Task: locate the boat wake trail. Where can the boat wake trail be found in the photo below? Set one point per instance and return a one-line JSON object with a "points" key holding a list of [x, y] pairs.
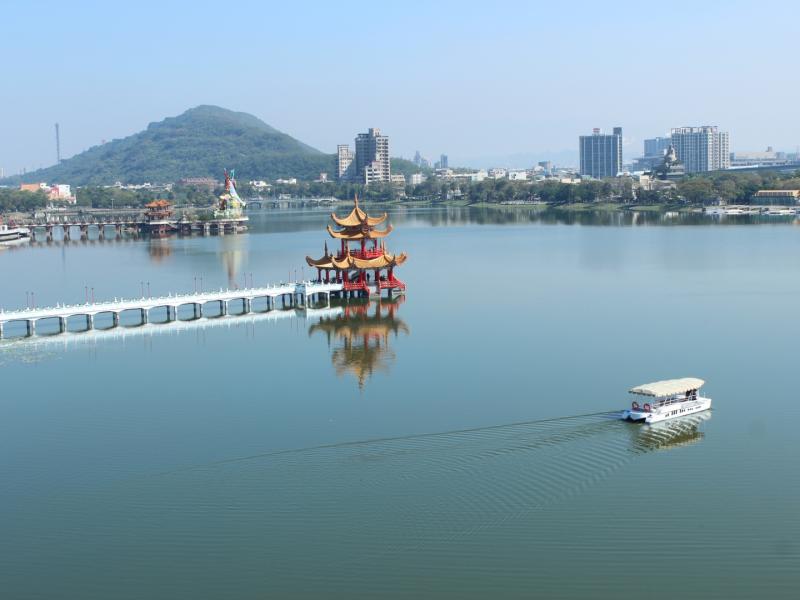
{"points": [[422, 493]]}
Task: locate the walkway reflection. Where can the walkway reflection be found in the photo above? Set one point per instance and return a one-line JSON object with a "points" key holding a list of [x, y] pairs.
{"points": [[360, 337]]}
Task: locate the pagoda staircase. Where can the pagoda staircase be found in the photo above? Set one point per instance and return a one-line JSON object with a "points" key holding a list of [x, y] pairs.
{"points": [[350, 286], [391, 284]]}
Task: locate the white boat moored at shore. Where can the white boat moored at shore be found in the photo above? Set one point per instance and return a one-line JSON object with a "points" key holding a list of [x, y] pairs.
{"points": [[12, 234], [667, 399]]}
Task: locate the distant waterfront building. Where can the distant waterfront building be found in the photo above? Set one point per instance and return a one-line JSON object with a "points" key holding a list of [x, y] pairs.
{"points": [[443, 162], [601, 154], [768, 158], [418, 158], [417, 178], [372, 157], [33, 187], [656, 146], [518, 175], [200, 182], [344, 161], [702, 149], [471, 176], [497, 173], [780, 197], [58, 192], [654, 151]]}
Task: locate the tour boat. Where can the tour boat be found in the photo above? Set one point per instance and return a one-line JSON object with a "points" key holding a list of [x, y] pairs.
{"points": [[666, 400]]}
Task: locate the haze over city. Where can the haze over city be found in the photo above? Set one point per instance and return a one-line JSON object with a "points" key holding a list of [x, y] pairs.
{"points": [[511, 82]]}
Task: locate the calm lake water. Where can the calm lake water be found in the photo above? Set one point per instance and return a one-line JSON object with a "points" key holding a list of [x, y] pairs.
{"points": [[461, 443]]}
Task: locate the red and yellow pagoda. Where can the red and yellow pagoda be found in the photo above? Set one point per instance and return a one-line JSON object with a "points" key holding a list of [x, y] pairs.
{"points": [[362, 263]]}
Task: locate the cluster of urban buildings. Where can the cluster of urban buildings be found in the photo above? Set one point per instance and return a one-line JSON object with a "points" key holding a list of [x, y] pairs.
{"points": [[692, 149], [424, 163], [369, 163], [57, 192], [698, 149]]}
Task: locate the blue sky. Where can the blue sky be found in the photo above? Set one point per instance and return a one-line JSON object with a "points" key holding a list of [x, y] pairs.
{"points": [[474, 80]]}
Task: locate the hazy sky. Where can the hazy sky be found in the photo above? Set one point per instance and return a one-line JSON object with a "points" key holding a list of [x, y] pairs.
{"points": [[484, 79]]}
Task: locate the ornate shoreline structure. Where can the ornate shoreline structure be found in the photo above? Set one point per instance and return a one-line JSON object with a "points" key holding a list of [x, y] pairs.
{"points": [[362, 265], [230, 204]]}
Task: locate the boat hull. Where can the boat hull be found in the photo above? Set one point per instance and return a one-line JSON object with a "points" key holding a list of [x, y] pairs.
{"points": [[670, 411]]}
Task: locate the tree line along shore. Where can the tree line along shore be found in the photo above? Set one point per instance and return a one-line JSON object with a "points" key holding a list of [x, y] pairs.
{"points": [[695, 190]]}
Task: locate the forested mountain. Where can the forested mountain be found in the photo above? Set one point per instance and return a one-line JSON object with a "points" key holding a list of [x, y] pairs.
{"points": [[198, 143]]}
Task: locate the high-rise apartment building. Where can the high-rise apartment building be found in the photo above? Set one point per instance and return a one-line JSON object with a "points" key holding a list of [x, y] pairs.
{"points": [[372, 157], [344, 162], [601, 154], [702, 148], [443, 162], [657, 147]]}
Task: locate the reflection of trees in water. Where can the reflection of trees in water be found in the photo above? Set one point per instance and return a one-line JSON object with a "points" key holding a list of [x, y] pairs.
{"points": [[360, 337]]}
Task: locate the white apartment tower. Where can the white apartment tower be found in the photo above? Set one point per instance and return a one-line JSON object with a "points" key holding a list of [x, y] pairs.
{"points": [[344, 160], [702, 148], [372, 157]]}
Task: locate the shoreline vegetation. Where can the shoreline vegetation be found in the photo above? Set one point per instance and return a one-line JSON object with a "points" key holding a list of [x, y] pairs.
{"points": [[620, 194]]}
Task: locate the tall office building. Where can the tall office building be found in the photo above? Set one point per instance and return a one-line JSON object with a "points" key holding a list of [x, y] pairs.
{"points": [[372, 157], [601, 154], [344, 162], [657, 147], [443, 162], [702, 148]]}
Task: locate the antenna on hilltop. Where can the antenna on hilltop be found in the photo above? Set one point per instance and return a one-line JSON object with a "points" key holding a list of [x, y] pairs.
{"points": [[58, 146]]}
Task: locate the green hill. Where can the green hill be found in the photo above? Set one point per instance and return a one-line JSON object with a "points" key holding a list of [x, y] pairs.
{"points": [[198, 143]]}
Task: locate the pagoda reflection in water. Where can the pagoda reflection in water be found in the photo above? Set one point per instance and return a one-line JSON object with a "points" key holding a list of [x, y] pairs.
{"points": [[360, 337]]}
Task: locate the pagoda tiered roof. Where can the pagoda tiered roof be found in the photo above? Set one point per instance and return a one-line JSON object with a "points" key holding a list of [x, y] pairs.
{"points": [[358, 225], [349, 261], [359, 232], [358, 218]]}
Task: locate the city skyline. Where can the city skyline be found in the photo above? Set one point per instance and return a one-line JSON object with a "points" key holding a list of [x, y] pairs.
{"points": [[526, 108]]}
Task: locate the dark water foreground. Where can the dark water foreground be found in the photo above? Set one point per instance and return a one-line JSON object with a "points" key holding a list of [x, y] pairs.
{"points": [[461, 444]]}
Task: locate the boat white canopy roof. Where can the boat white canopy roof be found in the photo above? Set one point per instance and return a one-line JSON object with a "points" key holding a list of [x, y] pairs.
{"points": [[668, 387]]}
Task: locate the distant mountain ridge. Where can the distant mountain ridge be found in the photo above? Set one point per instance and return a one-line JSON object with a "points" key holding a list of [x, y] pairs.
{"points": [[198, 143]]}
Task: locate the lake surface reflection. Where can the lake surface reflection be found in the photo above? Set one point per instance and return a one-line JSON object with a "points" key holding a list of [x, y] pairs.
{"points": [[460, 442]]}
